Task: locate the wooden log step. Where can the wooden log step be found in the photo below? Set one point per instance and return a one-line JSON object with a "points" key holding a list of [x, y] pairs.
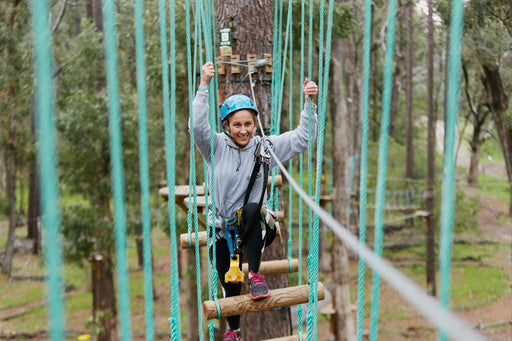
{"points": [[202, 238], [290, 338], [275, 266], [182, 191], [278, 298]]}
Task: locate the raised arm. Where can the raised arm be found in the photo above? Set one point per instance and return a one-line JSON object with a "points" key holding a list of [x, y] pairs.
{"points": [[200, 111], [292, 143]]}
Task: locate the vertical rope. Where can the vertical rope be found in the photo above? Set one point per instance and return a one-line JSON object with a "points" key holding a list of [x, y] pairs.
{"points": [[47, 154], [290, 163], [364, 164], [144, 168], [301, 176], [175, 305], [448, 200], [324, 68], [117, 166], [207, 24], [382, 172], [170, 142]]}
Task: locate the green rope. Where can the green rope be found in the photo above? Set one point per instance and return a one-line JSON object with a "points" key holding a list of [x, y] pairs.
{"points": [[448, 200], [301, 165], [212, 120], [364, 164], [290, 163], [322, 109], [144, 168], [47, 154], [117, 166], [383, 147], [170, 170], [192, 210]]}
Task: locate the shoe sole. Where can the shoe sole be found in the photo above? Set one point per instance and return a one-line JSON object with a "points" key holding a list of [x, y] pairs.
{"points": [[259, 297]]}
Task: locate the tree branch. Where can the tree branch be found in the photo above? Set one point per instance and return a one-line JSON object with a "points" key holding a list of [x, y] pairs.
{"points": [[61, 15]]}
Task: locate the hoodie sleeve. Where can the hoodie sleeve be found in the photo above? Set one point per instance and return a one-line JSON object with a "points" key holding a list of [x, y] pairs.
{"points": [[292, 143], [201, 125]]}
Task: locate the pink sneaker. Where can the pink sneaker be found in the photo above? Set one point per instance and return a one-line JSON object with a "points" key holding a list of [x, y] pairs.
{"points": [[231, 335], [258, 287]]}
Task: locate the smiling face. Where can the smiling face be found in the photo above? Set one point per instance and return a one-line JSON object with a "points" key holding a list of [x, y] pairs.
{"points": [[241, 126]]}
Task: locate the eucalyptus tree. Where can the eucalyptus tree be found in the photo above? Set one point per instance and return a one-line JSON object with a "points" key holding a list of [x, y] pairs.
{"points": [[15, 107]]}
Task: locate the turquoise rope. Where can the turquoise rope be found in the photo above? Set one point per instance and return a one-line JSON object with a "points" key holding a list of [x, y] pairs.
{"points": [[144, 168], [212, 121], [175, 319], [276, 60], [47, 153], [314, 227], [322, 109], [364, 164], [171, 143], [290, 164], [192, 171], [301, 176], [383, 147], [448, 200], [117, 166]]}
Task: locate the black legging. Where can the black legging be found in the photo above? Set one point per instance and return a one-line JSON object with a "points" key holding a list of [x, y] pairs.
{"points": [[253, 242]]}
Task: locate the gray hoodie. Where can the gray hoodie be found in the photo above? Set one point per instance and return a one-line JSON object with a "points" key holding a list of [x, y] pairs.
{"points": [[233, 165]]}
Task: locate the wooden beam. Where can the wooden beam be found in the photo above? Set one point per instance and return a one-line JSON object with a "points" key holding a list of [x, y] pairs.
{"points": [[182, 191], [202, 237], [275, 266], [184, 240], [278, 298], [290, 338]]}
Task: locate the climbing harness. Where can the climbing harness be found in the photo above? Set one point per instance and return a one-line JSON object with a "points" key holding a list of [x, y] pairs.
{"points": [[232, 226]]}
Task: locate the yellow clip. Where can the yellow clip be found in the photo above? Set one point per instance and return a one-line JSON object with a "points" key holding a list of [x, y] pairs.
{"points": [[239, 217], [234, 274]]}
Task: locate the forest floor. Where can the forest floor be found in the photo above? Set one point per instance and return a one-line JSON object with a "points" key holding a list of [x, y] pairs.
{"points": [[486, 251]]}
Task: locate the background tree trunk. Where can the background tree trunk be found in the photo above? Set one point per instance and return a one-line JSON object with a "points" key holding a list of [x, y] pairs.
{"points": [[242, 16], [409, 164], [10, 152], [431, 143], [342, 142], [103, 295], [34, 208], [475, 145], [497, 100]]}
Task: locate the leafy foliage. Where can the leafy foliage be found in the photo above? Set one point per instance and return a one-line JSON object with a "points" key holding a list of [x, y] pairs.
{"points": [[86, 231]]}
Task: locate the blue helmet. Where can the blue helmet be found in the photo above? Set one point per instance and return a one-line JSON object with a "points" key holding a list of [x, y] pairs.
{"points": [[235, 103]]}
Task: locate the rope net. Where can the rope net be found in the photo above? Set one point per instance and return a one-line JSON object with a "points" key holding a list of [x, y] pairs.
{"points": [[438, 313]]}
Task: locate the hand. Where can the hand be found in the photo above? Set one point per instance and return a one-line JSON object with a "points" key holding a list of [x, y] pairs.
{"points": [[207, 72], [310, 88]]}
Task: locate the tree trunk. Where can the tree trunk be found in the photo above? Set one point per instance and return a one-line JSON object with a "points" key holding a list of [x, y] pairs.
{"points": [[243, 16], [497, 100], [409, 164], [10, 158], [429, 200], [324, 256], [10, 174], [188, 266], [342, 150], [475, 144], [103, 298], [34, 208]]}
